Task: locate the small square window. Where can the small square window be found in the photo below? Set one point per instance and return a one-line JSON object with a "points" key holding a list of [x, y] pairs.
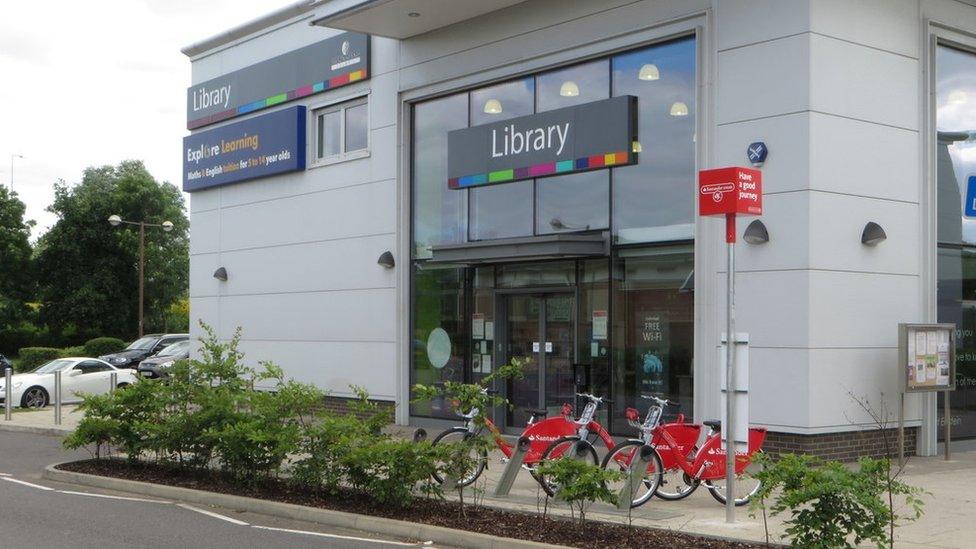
{"points": [[342, 131]]}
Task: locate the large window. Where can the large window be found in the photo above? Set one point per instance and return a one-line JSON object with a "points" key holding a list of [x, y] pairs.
{"points": [[956, 163], [342, 131], [439, 342]]}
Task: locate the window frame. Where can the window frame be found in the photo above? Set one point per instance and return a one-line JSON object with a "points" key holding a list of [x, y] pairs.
{"points": [[341, 106]]}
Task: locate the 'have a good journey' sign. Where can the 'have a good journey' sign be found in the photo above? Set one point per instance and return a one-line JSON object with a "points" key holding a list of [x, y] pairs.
{"points": [[572, 139], [265, 145]]}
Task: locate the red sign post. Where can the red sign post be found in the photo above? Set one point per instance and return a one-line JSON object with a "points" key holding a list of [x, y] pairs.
{"points": [[728, 192]]}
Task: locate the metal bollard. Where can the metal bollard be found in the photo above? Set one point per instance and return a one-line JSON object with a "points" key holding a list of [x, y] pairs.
{"points": [[635, 476], [8, 393], [113, 381], [57, 398], [512, 467]]}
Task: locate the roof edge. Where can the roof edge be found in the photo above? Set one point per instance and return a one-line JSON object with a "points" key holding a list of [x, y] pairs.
{"points": [[250, 27]]}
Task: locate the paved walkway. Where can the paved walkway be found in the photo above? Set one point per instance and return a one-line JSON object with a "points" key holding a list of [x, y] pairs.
{"points": [[41, 421]]}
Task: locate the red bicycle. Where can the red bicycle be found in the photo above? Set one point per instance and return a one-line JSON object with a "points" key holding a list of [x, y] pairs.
{"points": [[687, 467], [549, 437]]}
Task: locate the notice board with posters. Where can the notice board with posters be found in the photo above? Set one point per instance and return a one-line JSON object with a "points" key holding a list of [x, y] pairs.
{"points": [[927, 357]]}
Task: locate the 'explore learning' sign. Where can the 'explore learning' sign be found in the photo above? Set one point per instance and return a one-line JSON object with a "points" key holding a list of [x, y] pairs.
{"points": [[572, 139]]}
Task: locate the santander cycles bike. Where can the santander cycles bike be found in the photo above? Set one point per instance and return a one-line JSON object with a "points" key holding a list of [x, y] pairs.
{"points": [[549, 437], [683, 465]]}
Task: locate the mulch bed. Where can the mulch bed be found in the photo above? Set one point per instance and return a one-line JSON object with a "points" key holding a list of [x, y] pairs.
{"points": [[485, 520]]}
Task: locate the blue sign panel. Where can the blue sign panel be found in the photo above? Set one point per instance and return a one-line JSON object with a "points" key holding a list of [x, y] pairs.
{"points": [[265, 145], [970, 207], [757, 152]]}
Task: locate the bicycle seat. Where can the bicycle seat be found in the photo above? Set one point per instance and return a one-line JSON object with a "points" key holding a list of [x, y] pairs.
{"points": [[537, 413], [713, 423]]}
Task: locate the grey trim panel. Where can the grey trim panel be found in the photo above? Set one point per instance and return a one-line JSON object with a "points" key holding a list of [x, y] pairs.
{"points": [[520, 249]]}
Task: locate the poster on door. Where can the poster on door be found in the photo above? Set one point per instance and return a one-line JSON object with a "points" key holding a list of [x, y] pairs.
{"points": [[651, 346]]}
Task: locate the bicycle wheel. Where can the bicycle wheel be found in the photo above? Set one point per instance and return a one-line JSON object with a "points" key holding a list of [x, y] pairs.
{"points": [[564, 448], [675, 484], [458, 435], [620, 458], [746, 486]]}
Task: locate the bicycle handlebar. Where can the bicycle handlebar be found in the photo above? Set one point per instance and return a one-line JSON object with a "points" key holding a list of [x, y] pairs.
{"points": [[594, 398], [661, 401]]}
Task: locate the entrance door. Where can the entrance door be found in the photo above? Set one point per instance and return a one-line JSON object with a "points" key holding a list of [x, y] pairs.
{"points": [[539, 331]]}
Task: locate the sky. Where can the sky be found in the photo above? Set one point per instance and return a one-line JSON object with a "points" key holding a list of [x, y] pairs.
{"points": [[94, 83]]}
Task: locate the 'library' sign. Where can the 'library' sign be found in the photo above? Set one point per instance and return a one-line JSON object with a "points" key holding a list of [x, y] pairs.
{"points": [[572, 139]]}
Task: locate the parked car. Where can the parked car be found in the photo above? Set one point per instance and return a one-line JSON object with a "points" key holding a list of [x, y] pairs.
{"points": [[79, 375], [142, 348], [156, 366]]}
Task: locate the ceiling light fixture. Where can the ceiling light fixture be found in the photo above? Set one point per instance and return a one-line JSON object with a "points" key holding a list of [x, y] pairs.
{"points": [[679, 109], [493, 106], [649, 72], [569, 89]]}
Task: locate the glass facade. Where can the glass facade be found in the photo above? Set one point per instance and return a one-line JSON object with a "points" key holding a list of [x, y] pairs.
{"points": [[580, 322], [955, 161]]}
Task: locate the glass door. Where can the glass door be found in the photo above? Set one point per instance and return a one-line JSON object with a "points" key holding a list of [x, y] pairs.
{"points": [[540, 330]]}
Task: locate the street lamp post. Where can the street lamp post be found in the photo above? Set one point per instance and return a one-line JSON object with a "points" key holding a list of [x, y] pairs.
{"points": [[167, 226], [20, 156]]}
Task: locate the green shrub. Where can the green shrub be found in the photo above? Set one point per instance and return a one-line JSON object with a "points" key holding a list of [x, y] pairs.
{"points": [[831, 505], [32, 357], [580, 483], [73, 351], [103, 346], [391, 470]]}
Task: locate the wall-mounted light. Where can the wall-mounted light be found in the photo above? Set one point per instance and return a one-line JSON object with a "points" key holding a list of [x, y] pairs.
{"points": [[756, 233], [413, 14], [649, 72], [569, 89], [873, 234], [493, 106], [679, 109], [386, 260], [220, 274]]}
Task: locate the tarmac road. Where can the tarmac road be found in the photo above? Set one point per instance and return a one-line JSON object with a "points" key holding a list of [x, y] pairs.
{"points": [[36, 513]]}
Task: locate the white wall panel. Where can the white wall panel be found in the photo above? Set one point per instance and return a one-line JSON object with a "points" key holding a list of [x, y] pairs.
{"points": [[860, 309], [787, 218], [204, 232], [890, 25], [341, 315], [837, 376], [341, 213], [779, 387], [347, 264], [788, 138], [867, 84], [773, 307], [766, 79], [836, 224], [861, 158], [332, 366], [743, 22]]}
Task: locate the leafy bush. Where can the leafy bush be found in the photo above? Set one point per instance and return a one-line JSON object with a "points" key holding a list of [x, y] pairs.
{"points": [[73, 351], [103, 346], [32, 357], [581, 483], [389, 470], [832, 506]]}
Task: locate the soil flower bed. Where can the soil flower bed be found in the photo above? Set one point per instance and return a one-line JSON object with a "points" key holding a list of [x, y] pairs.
{"points": [[485, 520]]}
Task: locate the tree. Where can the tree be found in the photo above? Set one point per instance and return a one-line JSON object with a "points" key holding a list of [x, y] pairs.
{"points": [[88, 270], [16, 286]]}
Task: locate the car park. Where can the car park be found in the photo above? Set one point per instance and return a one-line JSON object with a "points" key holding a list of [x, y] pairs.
{"points": [[79, 376], [142, 348], [156, 366]]}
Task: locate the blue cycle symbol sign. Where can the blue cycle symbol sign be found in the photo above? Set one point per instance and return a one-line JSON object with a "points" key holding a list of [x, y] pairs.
{"points": [[969, 210]]}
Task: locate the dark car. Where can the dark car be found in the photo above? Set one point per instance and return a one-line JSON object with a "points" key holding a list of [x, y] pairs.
{"points": [[156, 366], [142, 348]]}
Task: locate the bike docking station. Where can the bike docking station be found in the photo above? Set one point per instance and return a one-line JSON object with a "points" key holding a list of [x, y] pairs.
{"points": [[926, 364], [635, 476], [729, 192], [512, 468]]}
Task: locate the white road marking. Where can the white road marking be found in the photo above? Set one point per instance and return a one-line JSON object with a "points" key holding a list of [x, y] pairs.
{"points": [[211, 514], [38, 486], [5, 474], [333, 536], [113, 497]]}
